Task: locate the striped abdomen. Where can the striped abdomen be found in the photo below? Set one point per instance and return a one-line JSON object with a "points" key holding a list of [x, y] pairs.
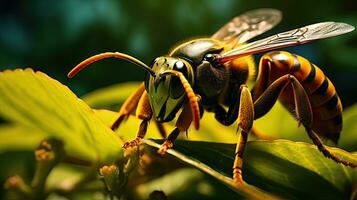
{"points": [[325, 103]]}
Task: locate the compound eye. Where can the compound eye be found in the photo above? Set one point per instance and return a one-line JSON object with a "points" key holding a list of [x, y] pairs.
{"points": [[181, 67], [177, 90]]}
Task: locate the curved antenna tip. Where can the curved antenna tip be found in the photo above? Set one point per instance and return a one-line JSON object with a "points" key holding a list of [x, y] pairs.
{"points": [[70, 75], [101, 56], [74, 71]]}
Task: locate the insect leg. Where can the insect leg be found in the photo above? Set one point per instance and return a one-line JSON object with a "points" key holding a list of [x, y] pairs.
{"points": [[304, 114], [227, 118], [182, 124], [128, 106], [161, 129], [327, 153], [245, 123], [143, 112], [268, 97], [169, 142], [303, 110]]}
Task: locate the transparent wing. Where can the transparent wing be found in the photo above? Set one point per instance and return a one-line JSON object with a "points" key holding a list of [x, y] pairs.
{"points": [[248, 25], [289, 38]]}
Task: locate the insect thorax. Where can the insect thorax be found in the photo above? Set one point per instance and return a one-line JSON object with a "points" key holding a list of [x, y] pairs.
{"points": [[212, 81]]}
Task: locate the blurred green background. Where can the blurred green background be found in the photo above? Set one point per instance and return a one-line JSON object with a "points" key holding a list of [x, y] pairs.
{"points": [[53, 36]]}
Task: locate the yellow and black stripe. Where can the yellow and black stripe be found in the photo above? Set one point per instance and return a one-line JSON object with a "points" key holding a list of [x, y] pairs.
{"points": [[325, 103]]}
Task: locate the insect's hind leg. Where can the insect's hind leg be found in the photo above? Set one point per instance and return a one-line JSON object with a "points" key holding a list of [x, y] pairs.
{"points": [[317, 141], [144, 113], [249, 111], [303, 110], [128, 106], [304, 114]]}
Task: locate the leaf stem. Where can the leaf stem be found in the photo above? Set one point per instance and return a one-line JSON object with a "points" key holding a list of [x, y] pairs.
{"points": [[48, 155]]}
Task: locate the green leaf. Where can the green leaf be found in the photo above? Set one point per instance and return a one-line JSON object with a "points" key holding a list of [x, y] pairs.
{"points": [[293, 170], [16, 138], [186, 151], [183, 179], [189, 183], [41, 103]]}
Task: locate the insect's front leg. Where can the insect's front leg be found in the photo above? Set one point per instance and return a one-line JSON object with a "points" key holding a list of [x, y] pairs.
{"points": [[129, 106], [182, 124], [143, 112], [161, 129]]}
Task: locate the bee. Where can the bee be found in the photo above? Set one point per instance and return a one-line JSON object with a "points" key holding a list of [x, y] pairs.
{"points": [[210, 74]]}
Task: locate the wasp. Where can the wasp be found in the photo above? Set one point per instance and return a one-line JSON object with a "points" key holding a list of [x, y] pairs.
{"points": [[210, 74]]}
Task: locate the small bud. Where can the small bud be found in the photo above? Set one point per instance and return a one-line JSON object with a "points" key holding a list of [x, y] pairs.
{"points": [[42, 154], [48, 154], [13, 182], [110, 174], [47, 150], [108, 170], [17, 184]]}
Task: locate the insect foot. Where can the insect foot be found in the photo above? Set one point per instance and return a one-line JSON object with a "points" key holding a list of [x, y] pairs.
{"points": [[165, 146], [132, 143]]}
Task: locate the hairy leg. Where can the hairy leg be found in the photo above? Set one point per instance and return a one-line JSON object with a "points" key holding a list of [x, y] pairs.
{"points": [[182, 124], [245, 123], [128, 106], [303, 110], [143, 112]]}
